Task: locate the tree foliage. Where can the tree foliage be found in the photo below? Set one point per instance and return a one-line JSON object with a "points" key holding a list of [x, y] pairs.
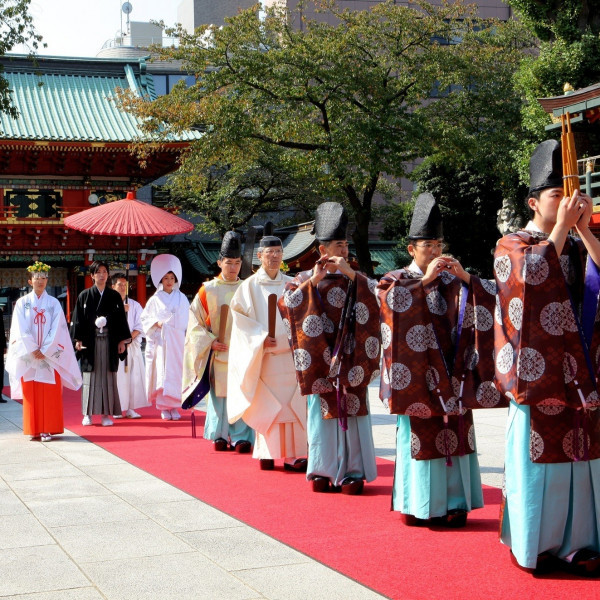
{"points": [[326, 112], [16, 29]]}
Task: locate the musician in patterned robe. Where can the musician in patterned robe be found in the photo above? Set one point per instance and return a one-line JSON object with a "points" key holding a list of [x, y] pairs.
{"points": [[203, 351], [547, 351], [332, 316], [261, 381], [429, 378]]}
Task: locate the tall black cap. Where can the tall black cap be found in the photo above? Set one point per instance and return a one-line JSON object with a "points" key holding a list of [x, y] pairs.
{"points": [[426, 221], [331, 222], [269, 241], [231, 247], [545, 167]]}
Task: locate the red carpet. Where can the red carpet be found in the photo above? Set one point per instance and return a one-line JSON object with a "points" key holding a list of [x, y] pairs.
{"points": [[355, 535]]}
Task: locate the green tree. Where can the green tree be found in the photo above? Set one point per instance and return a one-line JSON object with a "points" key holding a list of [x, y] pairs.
{"points": [[16, 29], [334, 110], [568, 52]]}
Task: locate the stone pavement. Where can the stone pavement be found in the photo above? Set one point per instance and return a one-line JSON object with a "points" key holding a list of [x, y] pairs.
{"points": [[78, 523]]}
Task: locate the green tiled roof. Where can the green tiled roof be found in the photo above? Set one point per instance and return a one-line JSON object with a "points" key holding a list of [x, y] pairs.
{"points": [[74, 100]]}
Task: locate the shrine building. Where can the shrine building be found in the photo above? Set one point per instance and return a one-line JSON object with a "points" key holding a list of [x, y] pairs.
{"points": [[70, 149]]}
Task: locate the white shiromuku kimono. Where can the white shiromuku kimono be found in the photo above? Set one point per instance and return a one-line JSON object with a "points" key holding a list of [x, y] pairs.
{"points": [[132, 383], [261, 383], [40, 323]]}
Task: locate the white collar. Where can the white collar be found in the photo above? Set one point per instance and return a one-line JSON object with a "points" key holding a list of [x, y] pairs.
{"points": [[414, 268], [531, 226]]}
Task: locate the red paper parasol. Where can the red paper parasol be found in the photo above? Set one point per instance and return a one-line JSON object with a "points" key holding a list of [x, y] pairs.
{"points": [[128, 217]]}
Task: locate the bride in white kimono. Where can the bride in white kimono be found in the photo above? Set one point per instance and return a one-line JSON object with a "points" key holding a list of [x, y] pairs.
{"points": [[164, 321]]}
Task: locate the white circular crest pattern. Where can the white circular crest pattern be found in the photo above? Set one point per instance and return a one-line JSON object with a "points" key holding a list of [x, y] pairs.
{"points": [[334, 370], [550, 406], [489, 285], [293, 298], [328, 326], [447, 277], [569, 440], [352, 404], [349, 344], [415, 445], [552, 318], [362, 313], [471, 438], [418, 409], [432, 378], [322, 386], [372, 347], [372, 284], [505, 359], [455, 386], [356, 375], [312, 326], [569, 367], [515, 312], [593, 400], [400, 376], [336, 297], [446, 441], [487, 395], [417, 338], [536, 445], [327, 356], [386, 336], [324, 407], [503, 267], [468, 317], [530, 364], [535, 269], [302, 359], [399, 299], [483, 318], [436, 303], [569, 322]]}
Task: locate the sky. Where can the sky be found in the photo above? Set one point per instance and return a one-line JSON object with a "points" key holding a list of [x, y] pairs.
{"points": [[80, 27]]}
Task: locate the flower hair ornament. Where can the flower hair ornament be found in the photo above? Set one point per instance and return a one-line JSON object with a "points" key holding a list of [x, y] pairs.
{"points": [[39, 267]]}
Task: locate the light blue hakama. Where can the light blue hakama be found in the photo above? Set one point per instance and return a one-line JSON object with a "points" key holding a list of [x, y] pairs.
{"points": [[338, 454], [550, 507], [217, 426], [430, 488]]}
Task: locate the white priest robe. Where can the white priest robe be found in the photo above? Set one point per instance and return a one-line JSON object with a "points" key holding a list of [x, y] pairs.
{"points": [[132, 383], [39, 323], [261, 382], [164, 347]]}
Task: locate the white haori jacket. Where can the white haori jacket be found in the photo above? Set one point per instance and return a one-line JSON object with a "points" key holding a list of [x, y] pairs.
{"points": [[164, 345], [203, 329], [261, 383], [39, 323]]}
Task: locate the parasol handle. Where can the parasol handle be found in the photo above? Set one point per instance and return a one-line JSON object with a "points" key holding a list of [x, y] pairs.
{"points": [[272, 300], [223, 322]]}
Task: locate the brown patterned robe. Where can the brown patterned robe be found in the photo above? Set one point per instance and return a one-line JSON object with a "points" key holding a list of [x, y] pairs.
{"points": [[540, 359], [422, 364], [340, 315]]}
